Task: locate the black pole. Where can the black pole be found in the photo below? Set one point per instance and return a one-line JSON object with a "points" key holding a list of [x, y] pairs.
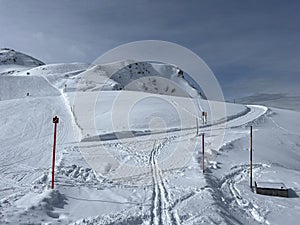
{"points": [[251, 157], [203, 153]]}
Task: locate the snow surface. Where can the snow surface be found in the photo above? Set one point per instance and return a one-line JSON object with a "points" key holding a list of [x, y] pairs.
{"points": [[137, 163], [271, 185]]}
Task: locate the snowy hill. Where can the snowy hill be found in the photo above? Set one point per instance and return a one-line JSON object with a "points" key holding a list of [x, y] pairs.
{"points": [[12, 57], [154, 78], [138, 76], [12, 61]]}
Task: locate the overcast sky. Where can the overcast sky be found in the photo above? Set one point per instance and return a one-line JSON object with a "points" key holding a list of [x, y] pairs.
{"points": [[251, 46]]}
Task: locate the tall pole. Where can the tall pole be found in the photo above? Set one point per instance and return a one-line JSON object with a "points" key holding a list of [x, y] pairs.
{"points": [[55, 121], [251, 157], [203, 153]]}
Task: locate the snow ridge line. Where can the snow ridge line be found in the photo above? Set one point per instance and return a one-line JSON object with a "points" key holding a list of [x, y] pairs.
{"points": [[162, 211]]}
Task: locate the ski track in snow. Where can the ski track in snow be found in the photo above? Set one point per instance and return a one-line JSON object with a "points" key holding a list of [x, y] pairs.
{"points": [[161, 210]]}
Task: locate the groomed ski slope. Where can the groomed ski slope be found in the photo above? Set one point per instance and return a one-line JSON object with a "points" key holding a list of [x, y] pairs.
{"points": [[106, 175]]}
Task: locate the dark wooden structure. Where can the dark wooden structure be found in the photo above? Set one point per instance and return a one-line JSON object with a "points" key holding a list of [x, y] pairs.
{"points": [[271, 189]]}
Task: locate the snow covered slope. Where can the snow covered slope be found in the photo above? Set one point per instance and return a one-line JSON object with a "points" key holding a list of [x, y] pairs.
{"points": [[12, 87], [24, 76], [57, 74], [138, 76]]}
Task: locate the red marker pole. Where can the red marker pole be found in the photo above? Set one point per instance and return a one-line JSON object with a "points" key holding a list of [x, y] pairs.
{"points": [[203, 153], [55, 121]]}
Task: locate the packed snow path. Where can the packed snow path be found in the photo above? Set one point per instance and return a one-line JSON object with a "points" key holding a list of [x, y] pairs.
{"points": [[161, 209]]}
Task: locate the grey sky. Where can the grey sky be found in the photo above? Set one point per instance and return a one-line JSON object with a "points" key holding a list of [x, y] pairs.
{"points": [[251, 46]]}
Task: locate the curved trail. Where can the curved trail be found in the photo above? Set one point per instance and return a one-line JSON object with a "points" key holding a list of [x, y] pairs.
{"points": [[254, 112]]}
